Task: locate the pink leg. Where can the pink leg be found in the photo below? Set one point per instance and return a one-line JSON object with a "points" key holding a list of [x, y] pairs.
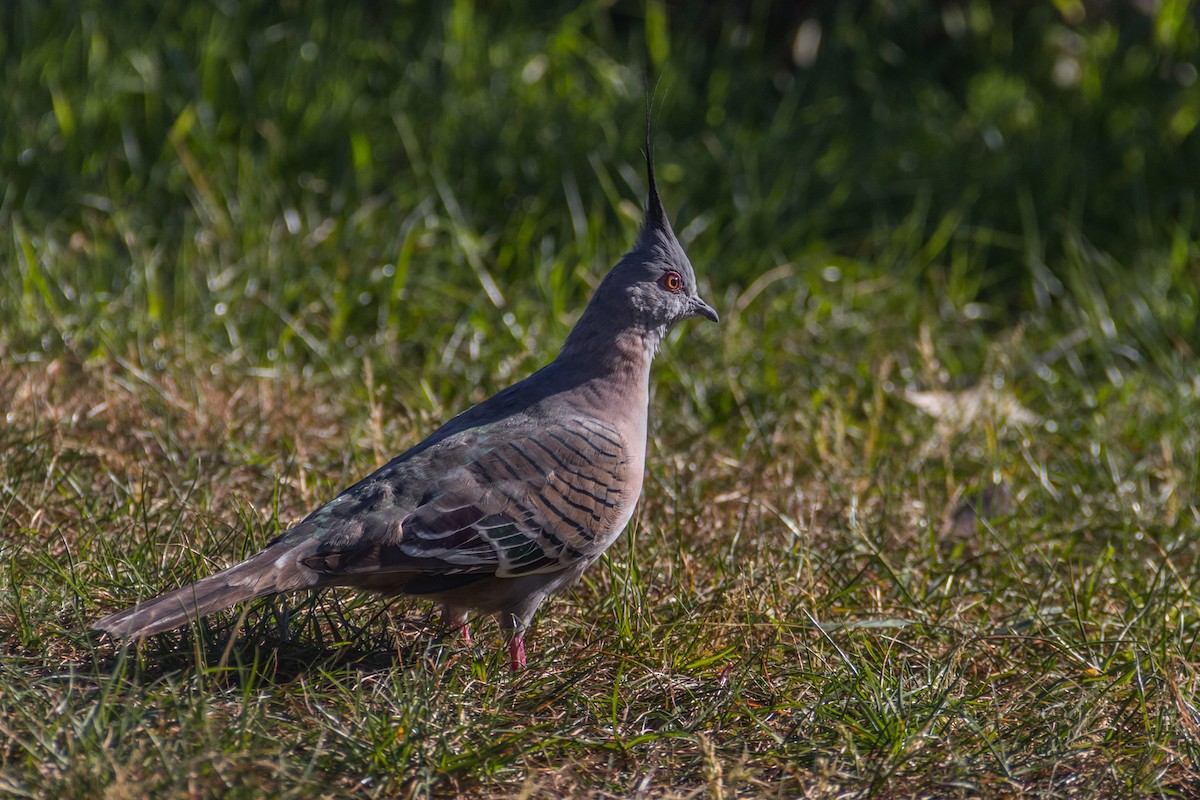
{"points": [[456, 620], [516, 652]]}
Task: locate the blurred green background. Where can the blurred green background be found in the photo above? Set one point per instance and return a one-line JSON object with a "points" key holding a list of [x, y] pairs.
{"points": [[310, 181]]}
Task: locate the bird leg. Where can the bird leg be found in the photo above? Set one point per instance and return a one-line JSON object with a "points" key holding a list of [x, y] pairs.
{"points": [[455, 619], [515, 625], [516, 652]]}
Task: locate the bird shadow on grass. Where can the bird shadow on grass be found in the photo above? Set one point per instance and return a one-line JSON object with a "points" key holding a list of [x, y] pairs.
{"points": [[271, 642]]}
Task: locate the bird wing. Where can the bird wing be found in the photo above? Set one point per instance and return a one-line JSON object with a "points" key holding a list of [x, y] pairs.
{"points": [[506, 501]]}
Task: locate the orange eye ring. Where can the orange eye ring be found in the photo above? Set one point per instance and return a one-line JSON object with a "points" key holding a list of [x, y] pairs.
{"points": [[672, 281]]}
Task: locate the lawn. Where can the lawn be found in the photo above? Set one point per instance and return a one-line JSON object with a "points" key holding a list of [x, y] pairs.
{"points": [[920, 515]]}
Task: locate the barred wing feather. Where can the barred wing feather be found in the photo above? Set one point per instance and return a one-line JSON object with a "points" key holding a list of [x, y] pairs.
{"points": [[538, 500]]}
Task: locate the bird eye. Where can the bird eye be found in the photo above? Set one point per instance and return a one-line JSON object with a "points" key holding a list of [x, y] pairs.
{"points": [[672, 281]]}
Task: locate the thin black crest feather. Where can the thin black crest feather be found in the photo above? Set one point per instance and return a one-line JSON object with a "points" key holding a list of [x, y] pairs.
{"points": [[655, 214]]}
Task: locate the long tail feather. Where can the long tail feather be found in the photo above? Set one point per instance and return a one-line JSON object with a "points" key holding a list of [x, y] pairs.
{"points": [[269, 572]]}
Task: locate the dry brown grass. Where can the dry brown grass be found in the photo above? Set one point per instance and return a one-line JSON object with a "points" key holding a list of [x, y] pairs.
{"points": [[779, 621]]}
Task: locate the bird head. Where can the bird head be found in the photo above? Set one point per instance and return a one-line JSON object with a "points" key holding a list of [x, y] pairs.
{"points": [[654, 284]]}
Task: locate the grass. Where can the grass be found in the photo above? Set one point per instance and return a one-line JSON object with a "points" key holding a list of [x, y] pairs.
{"points": [[920, 515]]}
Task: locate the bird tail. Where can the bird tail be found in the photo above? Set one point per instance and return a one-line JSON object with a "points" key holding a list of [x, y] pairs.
{"points": [[269, 572]]}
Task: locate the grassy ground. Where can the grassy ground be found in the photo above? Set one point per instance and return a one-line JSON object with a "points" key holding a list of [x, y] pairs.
{"points": [[920, 516]]}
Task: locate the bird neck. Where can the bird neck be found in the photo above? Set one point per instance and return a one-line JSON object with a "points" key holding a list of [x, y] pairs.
{"points": [[611, 378], [602, 348]]}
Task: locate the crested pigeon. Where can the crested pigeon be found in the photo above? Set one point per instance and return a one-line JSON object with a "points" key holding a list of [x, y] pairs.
{"points": [[506, 503]]}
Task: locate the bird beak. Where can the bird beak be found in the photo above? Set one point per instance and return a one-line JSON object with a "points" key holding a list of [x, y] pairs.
{"points": [[703, 309]]}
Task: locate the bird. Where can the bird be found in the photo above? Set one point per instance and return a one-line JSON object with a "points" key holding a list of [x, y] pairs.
{"points": [[505, 504]]}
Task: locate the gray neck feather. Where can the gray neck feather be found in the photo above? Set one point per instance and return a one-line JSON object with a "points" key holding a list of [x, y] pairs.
{"points": [[598, 341]]}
